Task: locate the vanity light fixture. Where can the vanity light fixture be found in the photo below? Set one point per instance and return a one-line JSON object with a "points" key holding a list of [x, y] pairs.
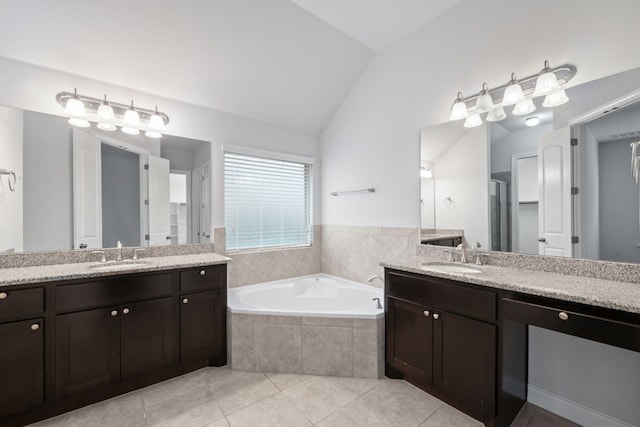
{"points": [[520, 93], [109, 115]]}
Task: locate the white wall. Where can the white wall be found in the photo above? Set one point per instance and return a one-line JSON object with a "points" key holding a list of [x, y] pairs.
{"points": [[521, 141], [590, 213], [34, 88], [463, 176], [11, 202], [372, 140]]}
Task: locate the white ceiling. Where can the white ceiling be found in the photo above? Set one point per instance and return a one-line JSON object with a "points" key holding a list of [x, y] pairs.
{"points": [[376, 23], [268, 60]]}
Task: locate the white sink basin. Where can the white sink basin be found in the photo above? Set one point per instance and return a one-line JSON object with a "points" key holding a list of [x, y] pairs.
{"points": [[450, 268], [118, 265]]}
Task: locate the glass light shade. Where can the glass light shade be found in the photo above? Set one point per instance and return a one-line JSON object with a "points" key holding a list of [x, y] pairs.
{"points": [[524, 107], [546, 83], [425, 172], [107, 126], [132, 118], [156, 123], [153, 134], [105, 113], [484, 101], [459, 109], [555, 98], [129, 130], [496, 114], [473, 121], [80, 123], [513, 94], [75, 108]]}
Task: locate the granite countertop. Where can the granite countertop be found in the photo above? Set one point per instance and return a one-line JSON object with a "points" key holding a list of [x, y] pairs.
{"points": [[616, 295], [83, 270]]}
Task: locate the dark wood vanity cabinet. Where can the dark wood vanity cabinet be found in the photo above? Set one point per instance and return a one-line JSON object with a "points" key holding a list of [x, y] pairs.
{"points": [[21, 350], [442, 336], [106, 336]]}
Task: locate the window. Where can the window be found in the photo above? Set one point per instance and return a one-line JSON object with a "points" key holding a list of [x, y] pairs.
{"points": [[267, 202]]}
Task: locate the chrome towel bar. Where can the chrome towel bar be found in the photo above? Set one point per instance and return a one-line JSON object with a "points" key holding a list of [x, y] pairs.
{"points": [[12, 177]]}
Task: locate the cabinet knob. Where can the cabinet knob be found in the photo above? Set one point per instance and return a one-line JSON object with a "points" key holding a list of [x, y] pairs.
{"points": [[202, 272], [35, 327], [114, 313], [426, 313], [125, 311], [3, 295], [436, 316], [185, 300], [563, 316]]}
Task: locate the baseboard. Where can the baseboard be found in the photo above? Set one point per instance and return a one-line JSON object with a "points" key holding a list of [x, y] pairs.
{"points": [[573, 411]]}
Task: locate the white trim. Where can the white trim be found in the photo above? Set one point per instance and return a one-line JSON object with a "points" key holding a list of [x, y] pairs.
{"points": [[120, 144], [515, 206], [249, 151], [598, 111], [573, 411]]}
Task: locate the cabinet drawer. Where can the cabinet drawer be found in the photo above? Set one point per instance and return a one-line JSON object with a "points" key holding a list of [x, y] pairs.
{"points": [[443, 294], [609, 331], [114, 291], [21, 302], [202, 278]]}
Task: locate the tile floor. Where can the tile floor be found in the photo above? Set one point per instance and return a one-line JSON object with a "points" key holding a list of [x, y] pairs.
{"points": [[217, 397]]}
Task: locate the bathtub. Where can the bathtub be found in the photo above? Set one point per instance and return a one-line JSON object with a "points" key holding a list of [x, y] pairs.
{"points": [[318, 295], [319, 325]]}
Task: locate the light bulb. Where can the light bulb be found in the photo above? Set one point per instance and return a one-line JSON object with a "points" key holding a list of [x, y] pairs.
{"points": [[80, 123], [473, 121], [547, 81], [425, 172], [131, 117], [459, 109], [496, 114], [75, 107], [484, 101], [555, 98], [532, 121], [513, 93], [524, 107], [106, 116], [153, 134], [156, 122]]}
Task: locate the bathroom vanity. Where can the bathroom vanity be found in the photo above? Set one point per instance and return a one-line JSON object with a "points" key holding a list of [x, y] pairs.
{"points": [[79, 335], [463, 337]]}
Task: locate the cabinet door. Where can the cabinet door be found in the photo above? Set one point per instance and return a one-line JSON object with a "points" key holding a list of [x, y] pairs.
{"points": [[21, 366], [409, 338], [464, 362], [147, 336], [201, 326], [87, 350]]}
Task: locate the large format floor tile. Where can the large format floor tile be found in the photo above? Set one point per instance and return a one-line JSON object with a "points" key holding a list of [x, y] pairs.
{"points": [[222, 397]]}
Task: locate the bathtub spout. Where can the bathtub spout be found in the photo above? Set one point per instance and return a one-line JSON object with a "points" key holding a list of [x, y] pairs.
{"points": [[374, 277], [378, 306]]}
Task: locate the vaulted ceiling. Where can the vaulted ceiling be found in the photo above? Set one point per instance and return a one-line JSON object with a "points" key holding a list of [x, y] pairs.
{"points": [[288, 63]]}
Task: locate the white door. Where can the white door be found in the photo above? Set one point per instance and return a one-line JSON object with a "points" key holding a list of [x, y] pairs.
{"points": [[87, 191], [554, 192], [159, 212]]}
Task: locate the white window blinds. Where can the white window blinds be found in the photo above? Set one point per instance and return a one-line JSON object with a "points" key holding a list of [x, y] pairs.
{"points": [[267, 202]]}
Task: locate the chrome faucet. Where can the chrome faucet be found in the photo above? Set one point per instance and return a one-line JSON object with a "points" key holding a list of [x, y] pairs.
{"points": [[119, 248], [463, 253], [374, 277]]}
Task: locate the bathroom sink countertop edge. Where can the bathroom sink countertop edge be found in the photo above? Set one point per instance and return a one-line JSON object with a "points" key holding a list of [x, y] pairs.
{"points": [[84, 270], [611, 294]]}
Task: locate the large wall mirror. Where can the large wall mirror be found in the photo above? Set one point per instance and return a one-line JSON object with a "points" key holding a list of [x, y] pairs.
{"points": [[519, 185], [85, 188]]}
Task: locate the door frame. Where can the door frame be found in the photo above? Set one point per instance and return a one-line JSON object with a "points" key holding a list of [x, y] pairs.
{"points": [[515, 207], [189, 200]]}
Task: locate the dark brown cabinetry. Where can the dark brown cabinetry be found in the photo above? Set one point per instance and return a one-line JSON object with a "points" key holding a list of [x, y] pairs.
{"points": [[106, 336], [440, 335]]}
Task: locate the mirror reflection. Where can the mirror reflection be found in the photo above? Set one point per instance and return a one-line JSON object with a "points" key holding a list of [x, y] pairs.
{"points": [[518, 185], [86, 188]]}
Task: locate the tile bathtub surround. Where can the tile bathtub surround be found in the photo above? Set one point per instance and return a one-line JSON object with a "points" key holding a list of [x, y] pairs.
{"points": [[355, 252], [605, 270], [31, 259], [306, 345]]}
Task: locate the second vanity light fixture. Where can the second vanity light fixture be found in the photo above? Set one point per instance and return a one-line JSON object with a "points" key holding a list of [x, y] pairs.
{"points": [[519, 93], [109, 115]]}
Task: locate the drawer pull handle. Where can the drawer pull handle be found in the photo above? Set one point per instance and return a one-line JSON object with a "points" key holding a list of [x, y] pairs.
{"points": [[125, 311], [35, 327], [3, 295], [185, 300], [426, 313], [436, 316], [114, 313], [563, 316], [202, 272]]}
